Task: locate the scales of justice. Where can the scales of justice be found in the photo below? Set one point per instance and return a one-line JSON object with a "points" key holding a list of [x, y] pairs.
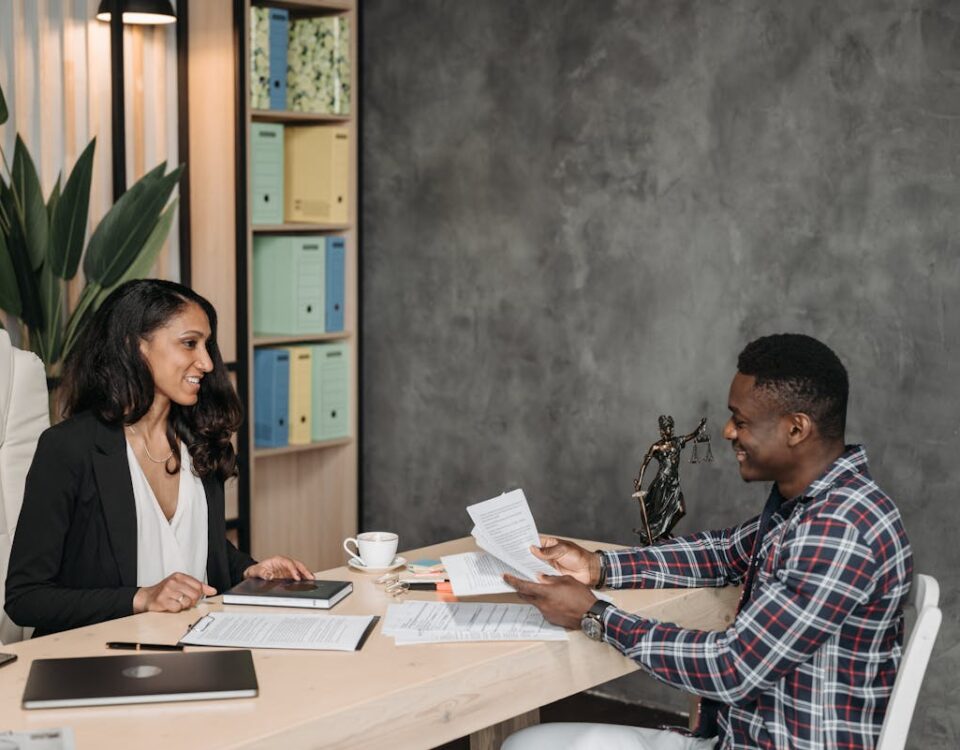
{"points": [[661, 504]]}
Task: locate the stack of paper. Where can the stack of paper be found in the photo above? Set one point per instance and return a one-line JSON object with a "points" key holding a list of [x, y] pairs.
{"points": [[505, 530], [439, 622], [293, 631], [425, 570]]}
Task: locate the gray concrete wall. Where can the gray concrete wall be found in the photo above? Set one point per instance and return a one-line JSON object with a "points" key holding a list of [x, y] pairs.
{"points": [[576, 213]]}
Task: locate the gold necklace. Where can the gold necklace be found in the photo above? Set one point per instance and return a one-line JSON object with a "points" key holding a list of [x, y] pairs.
{"points": [[147, 450]]}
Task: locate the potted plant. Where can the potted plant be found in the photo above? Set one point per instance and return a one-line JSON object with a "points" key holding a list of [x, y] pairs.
{"points": [[42, 243]]}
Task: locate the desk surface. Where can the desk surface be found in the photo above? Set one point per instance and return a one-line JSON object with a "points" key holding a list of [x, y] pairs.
{"points": [[384, 695]]}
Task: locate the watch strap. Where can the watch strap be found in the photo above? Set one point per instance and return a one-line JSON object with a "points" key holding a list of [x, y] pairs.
{"points": [[602, 581], [598, 608]]}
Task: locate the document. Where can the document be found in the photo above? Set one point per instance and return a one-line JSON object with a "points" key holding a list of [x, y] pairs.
{"points": [[39, 739], [317, 632], [442, 622], [504, 528]]}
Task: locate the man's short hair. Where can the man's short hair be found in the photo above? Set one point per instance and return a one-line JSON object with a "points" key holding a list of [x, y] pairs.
{"points": [[800, 374]]}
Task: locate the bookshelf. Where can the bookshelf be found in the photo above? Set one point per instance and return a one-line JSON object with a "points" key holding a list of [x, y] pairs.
{"points": [[298, 500], [300, 228], [270, 115]]}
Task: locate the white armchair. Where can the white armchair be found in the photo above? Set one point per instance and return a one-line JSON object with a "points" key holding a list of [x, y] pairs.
{"points": [[24, 414]]}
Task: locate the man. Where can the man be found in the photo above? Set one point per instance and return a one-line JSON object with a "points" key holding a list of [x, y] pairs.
{"points": [[810, 660]]}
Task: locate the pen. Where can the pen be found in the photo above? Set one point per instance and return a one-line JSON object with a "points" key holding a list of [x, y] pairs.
{"points": [[443, 586], [130, 646]]}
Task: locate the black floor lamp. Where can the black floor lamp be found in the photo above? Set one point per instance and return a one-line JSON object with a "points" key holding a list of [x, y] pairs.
{"points": [[119, 12]]}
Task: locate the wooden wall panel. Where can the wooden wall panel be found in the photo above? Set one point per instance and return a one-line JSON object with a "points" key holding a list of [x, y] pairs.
{"points": [[212, 157]]}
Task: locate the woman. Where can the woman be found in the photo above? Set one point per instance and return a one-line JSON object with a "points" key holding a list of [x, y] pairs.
{"points": [[123, 510]]}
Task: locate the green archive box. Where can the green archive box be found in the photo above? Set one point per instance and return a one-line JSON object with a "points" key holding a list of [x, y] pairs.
{"points": [[330, 397], [288, 284], [266, 173]]}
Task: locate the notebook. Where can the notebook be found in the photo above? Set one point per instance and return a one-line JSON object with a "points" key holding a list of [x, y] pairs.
{"points": [[140, 678], [285, 592]]}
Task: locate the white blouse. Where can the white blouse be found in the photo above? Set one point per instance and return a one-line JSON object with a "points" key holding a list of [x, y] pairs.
{"points": [[180, 544]]}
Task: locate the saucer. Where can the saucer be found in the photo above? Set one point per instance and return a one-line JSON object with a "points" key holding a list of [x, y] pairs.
{"points": [[398, 562]]}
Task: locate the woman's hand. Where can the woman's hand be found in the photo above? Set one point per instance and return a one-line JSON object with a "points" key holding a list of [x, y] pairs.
{"points": [[174, 593], [279, 566], [569, 559]]}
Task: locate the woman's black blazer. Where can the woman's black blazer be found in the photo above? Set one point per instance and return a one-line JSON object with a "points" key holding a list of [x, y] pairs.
{"points": [[74, 555]]}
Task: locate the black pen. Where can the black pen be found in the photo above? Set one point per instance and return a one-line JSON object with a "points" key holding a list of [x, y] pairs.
{"points": [[441, 586], [130, 646]]}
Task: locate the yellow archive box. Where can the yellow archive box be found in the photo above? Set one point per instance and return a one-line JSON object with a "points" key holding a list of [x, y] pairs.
{"points": [[316, 174]]}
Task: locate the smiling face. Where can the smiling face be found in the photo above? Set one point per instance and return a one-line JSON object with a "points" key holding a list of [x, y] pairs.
{"points": [[177, 355], [758, 432]]}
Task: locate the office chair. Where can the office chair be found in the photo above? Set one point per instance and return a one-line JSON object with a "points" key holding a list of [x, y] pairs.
{"points": [[24, 414], [925, 597]]}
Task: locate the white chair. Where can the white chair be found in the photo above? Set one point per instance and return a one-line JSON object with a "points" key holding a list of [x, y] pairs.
{"points": [[24, 414], [925, 597]]}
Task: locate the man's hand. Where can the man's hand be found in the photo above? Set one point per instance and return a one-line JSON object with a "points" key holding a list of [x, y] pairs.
{"points": [[560, 599], [279, 567], [569, 559]]}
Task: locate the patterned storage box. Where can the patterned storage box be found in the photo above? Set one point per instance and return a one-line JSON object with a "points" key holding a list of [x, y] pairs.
{"points": [[259, 58], [318, 65]]}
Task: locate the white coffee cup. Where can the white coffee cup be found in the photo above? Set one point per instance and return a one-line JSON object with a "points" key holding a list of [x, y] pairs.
{"points": [[375, 549]]}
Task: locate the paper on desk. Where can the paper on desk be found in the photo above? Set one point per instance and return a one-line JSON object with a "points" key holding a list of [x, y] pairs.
{"points": [[60, 738], [314, 631], [505, 530], [441, 622], [474, 573]]}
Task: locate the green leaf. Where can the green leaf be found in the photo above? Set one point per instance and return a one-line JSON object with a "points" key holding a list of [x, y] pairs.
{"points": [[68, 226], [4, 219], [9, 293], [93, 295], [54, 197], [78, 317], [120, 236], [33, 211], [31, 312], [51, 297], [141, 267], [4, 114]]}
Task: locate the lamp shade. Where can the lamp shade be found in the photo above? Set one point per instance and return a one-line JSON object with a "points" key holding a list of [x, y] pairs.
{"points": [[145, 12]]}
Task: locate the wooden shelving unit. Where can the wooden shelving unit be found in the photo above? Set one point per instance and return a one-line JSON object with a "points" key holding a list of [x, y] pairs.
{"points": [[300, 228], [268, 452], [298, 500], [301, 118], [311, 7], [313, 338]]}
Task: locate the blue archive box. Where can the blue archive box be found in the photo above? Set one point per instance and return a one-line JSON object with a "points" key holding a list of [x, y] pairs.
{"points": [[279, 34], [330, 396], [266, 173], [335, 265], [271, 402]]}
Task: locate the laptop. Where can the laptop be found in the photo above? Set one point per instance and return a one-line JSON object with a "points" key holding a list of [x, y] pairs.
{"points": [[140, 678]]}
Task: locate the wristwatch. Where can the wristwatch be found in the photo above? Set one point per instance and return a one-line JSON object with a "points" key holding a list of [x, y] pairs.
{"points": [[592, 621]]}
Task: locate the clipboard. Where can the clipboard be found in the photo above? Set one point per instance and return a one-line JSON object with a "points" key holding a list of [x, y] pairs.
{"points": [[314, 631]]}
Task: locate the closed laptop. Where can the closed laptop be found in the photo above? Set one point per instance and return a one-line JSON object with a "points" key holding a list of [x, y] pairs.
{"points": [[140, 678]]}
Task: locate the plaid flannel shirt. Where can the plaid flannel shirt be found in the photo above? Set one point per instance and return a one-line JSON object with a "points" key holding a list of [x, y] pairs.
{"points": [[810, 660]]}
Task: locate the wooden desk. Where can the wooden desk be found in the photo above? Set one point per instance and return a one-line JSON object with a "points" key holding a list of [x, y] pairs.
{"points": [[382, 696]]}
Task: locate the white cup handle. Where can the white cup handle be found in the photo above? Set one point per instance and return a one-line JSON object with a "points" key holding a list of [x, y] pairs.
{"points": [[355, 555]]}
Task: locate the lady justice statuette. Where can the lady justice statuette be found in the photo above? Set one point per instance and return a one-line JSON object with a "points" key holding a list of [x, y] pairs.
{"points": [[661, 504]]}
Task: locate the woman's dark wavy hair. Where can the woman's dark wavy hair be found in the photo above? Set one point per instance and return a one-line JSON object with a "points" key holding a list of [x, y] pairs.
{"points": [[107, 375]]}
